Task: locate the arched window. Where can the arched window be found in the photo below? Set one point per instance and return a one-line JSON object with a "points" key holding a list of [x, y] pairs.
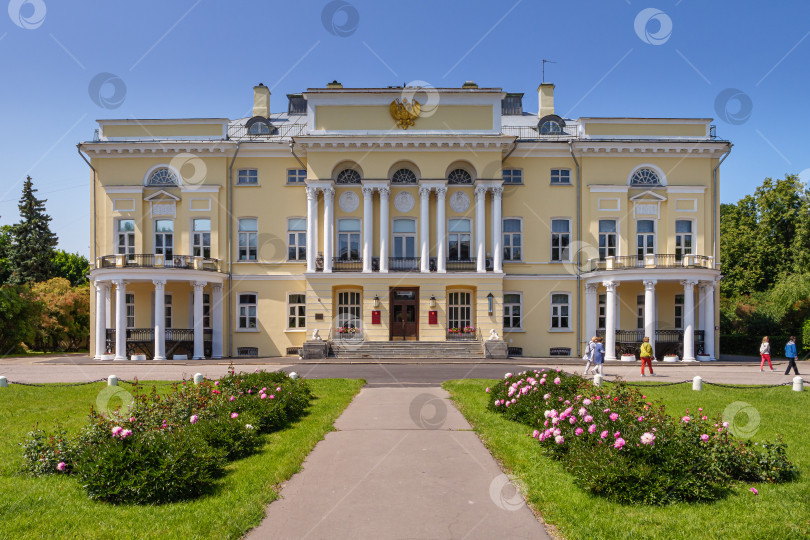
{"points": [[348, 176], [459, 176], [259, 125], [403, 176], [163, 177], [551, 124], [645, 177]]}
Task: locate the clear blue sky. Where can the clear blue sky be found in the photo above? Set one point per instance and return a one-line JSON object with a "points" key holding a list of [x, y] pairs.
{"points": [[189, 58]]}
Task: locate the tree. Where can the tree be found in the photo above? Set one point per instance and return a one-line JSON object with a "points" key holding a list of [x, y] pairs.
{"points": [[65, 315], [33, 242], [19, 317], [71, 266], [6, 232]]}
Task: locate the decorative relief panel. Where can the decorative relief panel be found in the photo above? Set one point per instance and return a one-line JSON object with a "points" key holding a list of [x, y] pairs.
{"points": [[349, 201], [404, 202], [163, 208], [459, 202]]}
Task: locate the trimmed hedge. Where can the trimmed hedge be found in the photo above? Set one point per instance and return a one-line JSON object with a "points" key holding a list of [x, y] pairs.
{"points": [[748, 345]]}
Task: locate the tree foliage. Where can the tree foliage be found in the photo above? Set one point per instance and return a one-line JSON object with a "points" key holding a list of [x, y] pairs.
{"points": [[71, 266], [33, 242], [19, 317]]}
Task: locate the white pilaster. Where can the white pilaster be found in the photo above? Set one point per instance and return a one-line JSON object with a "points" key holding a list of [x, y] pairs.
{"points": [[384, 193], [216, 320], [120, 319], [160, 319], [610, 320], [497, 229], [108, 306], [424, 228], [649, 311], [441, 230], [102, 293], [328, 228], [199, 353], [368, 227], [591, 301], [709, 314], [480, 229], [312, 234], [688, 320]]}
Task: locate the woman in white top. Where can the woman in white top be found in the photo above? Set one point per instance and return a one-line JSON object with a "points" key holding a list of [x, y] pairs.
{"points": [[588, 356], [765, 353]]}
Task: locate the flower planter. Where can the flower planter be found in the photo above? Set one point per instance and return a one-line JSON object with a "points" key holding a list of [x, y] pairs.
{"points": [[704, 358], [670, 358], [180, 357], [628, 358], [138, 357], [107, 357]]}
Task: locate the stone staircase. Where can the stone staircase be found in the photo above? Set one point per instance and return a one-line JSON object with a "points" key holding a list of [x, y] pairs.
{"points": [[408, 349]]}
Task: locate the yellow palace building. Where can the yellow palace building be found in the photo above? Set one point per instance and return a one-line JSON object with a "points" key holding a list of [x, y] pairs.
{"points": [[403, 222]]}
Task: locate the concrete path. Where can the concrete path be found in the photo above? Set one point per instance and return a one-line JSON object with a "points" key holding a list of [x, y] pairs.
{"points": [[404, 463]]}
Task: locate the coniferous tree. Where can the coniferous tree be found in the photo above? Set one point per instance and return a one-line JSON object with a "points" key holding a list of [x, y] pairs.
{"points": [[31, 251]]}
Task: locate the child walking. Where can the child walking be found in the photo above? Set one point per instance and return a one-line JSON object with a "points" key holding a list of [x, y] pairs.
{"points": [[765, 353]]}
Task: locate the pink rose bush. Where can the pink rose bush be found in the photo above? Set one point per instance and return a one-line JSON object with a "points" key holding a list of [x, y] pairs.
{"points": [[651, 458]]}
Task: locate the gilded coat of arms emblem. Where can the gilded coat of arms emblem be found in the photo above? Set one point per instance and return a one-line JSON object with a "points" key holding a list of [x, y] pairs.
{"points": [[405, 112]]}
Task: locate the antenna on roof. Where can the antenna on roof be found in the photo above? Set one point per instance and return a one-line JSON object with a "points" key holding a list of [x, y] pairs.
{"points": [[544, 68]]}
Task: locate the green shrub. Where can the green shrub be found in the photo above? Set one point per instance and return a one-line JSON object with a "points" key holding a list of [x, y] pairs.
{"points": [[43, 453], [234, 437]]}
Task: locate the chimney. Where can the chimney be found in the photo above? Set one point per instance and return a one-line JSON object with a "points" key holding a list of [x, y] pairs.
{"points": [[545, 93], [261, 101], [334, 85], [469, 84]]}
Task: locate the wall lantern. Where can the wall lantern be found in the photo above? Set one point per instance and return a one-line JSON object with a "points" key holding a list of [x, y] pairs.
{"points": [[433, 301], [490, 302], [376, 301]]}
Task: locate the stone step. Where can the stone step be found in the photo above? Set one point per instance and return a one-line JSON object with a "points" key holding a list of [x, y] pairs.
{"points": [[408, 349]]}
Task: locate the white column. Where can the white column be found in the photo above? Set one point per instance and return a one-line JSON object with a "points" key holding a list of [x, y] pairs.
{"points": [[480, 229], [610, 320], [424, 228], [108, 306], [709, 314], [102, 292], [384, 192], [649, 311], [591, 302], [688, 320], [120, 319], [199, 353], [441, 228], [312, 234], [328, 228], [618, 305], [216, 320], [368, 227], [497, 230], [160, 319]]}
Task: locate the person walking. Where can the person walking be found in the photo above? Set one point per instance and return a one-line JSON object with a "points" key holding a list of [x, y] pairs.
{"points": [[646, 356], [792, 355], [765, 354], [598, 356], [588, 356]]}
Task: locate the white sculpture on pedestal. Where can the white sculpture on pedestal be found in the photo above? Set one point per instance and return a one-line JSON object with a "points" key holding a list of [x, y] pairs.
{"points": [[316, 335], [493, 335]]}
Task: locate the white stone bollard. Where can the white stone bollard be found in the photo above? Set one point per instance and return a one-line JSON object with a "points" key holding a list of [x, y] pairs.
{"points": [[597, 379], [112, 380], [697, 383], [798, 384], [293, 375], [3, 382], [198, 378]]}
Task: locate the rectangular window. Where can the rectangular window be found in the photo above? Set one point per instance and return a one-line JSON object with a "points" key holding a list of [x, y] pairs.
{"points": [[296, 310], [600, 324], [164, 238], [349, 240], [126, 237], [248, 239], [167, 310], [512, 311], [130, 305], [512, 176], [404, 240], [201, 238], [560, 176], [296, 176], [683, 238], [560, 307], [679, 312], [247, 177], [640, 312], [296, 239], [459, 310], [560, 239], [512, 239], [459, 240], [645, 237], [348, 310], [608, 239], [206, 311], [247, 311]]}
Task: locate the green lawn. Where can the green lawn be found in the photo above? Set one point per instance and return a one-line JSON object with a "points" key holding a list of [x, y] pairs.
{"points": [[57, 507], [778, 512]]}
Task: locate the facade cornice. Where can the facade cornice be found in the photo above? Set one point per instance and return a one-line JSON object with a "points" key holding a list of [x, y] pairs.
{"points": [[661, 274], [396, 142], [151, 148]]}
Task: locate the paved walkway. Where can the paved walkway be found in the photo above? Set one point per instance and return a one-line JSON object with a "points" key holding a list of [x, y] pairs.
{"points": [[404, 463]]}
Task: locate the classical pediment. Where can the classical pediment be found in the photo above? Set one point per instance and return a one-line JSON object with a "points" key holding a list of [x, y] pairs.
{"points": [[161, 195]]}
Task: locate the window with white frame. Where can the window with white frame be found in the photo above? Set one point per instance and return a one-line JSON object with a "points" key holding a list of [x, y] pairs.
{"points": [[296, 310], [459, 239], [167, 310], [513, 176], [645, 237], [247, 177], [679, 312], [459, 310], [348, 309], [164, 238], [560, 239], [560, 176], [512, 311], [201, 238], [608, 239], [296, 176], [296, 239], [645, 177], [248, 239], [683, 238], [247, 311], [602, 317], [640, 312], [404, 240], [206, 311], [163, 177], [126, 237], [348, 240], [512, 239], [560, 309], [130, 309]]}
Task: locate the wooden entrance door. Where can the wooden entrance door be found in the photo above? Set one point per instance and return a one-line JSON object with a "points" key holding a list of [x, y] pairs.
{"points": [[404, 324]]}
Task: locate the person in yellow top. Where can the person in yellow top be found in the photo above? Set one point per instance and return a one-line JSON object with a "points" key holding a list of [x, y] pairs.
{"points": [[646, 356]]}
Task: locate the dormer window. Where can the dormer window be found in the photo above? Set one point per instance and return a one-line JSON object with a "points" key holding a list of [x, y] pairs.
{"points": [[348, 176], [258, 125], [551, 124], [296, 104], [459, 176], [163, 177], [403, 176], [645, 177]]}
